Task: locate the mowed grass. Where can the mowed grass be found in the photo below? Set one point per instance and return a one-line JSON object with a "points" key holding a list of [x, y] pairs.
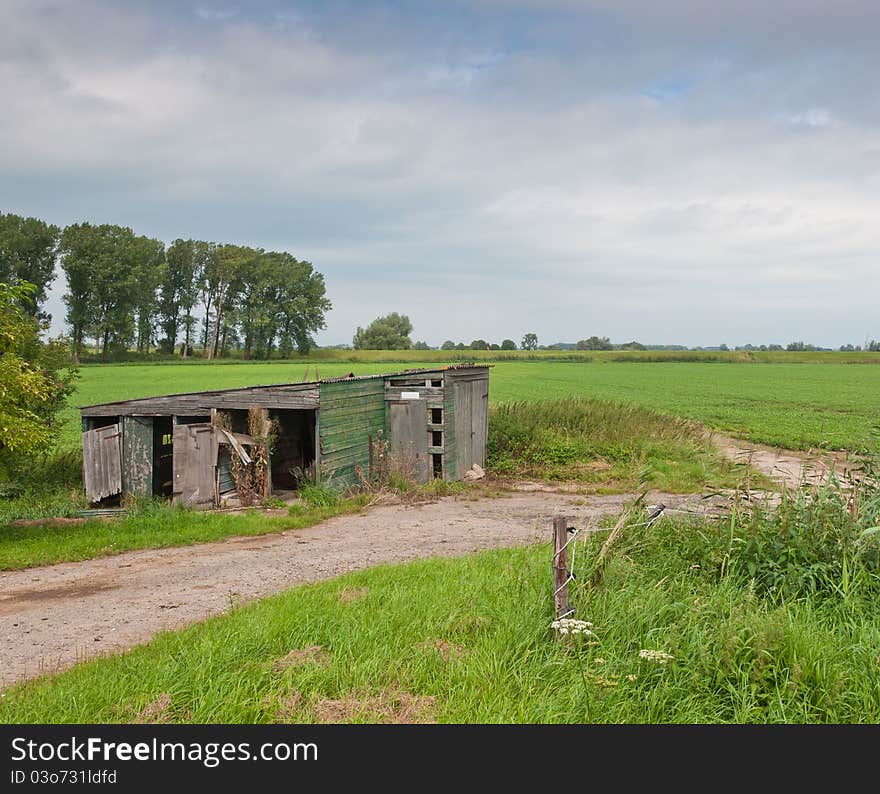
{"points": [[469, 640], [152, 525], [795, 405]]}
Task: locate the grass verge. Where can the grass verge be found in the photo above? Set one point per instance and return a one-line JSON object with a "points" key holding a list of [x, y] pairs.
{"points": [[152, 525]]}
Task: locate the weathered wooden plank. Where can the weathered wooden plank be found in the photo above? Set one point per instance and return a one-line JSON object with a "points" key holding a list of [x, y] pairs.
{"points": [[463, 430], [102, 475], [354, 408], [348, 424], [409, 435], [137, 455], [347, 400], [269, 397], [479, 419], [195, 458], [425, 393]]}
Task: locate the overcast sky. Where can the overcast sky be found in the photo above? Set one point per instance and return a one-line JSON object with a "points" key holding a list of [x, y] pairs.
{"points": [[668, 172]]}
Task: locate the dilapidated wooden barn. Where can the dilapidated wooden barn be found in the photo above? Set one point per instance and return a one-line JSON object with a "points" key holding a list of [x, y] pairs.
{"points": [[188, 447]]}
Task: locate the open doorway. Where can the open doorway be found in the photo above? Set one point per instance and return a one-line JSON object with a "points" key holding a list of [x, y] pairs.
{"points": [[163, 456], [293, 455]]}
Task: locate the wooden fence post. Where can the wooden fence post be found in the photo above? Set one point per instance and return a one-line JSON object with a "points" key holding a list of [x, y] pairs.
{"points": [[560, 567]]}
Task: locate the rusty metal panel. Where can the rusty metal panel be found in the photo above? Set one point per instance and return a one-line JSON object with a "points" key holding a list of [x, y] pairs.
{"points": [[195, 461], [408, 428], [102, 472], [137, 455]]}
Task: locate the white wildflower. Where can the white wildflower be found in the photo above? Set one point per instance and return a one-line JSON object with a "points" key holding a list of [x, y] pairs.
{"points": [[573, 626], [661, 657]]}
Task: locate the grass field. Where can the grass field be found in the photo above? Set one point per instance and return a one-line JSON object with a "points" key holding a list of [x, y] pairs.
{"points": [[795, 405], [758, 631]]}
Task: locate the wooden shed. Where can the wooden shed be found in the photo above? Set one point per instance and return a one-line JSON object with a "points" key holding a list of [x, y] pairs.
{"points": [[182, 446]]}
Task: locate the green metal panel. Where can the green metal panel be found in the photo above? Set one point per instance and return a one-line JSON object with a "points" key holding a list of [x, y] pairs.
{"points": [[137, 455], [350, 412]]}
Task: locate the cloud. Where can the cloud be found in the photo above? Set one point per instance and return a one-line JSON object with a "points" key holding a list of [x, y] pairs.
{"points": [[488, 168]]}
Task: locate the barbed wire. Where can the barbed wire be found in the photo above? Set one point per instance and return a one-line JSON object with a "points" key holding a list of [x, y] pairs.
{"points": [[656, 512]]}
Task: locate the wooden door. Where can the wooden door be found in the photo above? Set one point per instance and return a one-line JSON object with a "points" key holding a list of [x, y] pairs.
{"points": [[479, 420], [408, 424], [102, 469], [195, 463], [471, 423], [464, 431]]}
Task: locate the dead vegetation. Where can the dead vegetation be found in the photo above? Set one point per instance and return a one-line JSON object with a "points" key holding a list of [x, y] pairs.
{"points": [[350, 594], [312, 654], [157, 712], [390, 706], [447, 651]]}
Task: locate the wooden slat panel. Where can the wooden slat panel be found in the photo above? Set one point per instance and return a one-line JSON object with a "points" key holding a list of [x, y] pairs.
{"points": [[195, 459], [408, 430], [351, 412], [425, 392], [101, 463], [463, 430], [479, 420]]}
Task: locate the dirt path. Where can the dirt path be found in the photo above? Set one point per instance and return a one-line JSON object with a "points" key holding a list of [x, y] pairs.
{"points": [[55, 616], [783, 465]]}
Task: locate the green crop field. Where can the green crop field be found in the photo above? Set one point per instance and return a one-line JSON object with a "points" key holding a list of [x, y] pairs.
{"points": [[796, 405]]}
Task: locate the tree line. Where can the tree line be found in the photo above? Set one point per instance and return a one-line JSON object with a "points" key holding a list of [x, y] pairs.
{"points": [[126, 290]]}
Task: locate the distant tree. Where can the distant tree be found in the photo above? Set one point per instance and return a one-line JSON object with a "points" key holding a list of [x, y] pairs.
{"points": [[529, 342], [595, 343], [774, 347], [846, 348], [148, 265], [632, 346], [304, 304], [103, 264], [390, 332], [508, 344], [448, 345], [35, 377], [421, 346], [223, 277], [479, 344], [494, 346], [873, 346], [178, 292], [460, 346], [28, 250], [723, 347]]}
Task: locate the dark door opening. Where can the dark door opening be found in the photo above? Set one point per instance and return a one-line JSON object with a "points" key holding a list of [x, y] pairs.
{"points": [[293, 454], [163, 456]]}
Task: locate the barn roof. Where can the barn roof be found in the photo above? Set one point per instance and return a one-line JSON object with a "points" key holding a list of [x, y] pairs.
{"points": [[302, 394]]}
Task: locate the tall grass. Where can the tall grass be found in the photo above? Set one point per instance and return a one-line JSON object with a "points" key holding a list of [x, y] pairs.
{"points": [[602, 442]]}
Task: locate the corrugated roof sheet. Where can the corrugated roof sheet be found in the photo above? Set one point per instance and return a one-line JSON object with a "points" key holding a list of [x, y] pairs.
{"points": [[418, 371]]}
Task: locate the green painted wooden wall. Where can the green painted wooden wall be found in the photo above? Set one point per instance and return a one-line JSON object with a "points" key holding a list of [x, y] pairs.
{"points": [[350, 412]]}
